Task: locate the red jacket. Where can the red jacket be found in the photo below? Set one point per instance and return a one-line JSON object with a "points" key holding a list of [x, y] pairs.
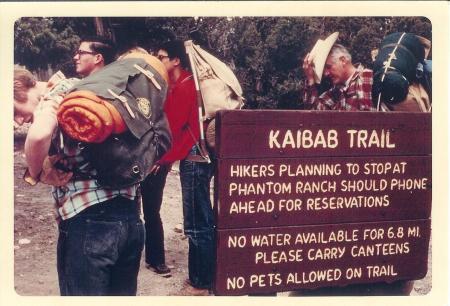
{"points": [[182, 111]]}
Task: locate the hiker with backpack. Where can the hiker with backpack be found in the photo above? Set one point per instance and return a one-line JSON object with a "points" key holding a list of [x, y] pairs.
{"points": [[195, 174], [402, 74], [101, 236], [352, 85]]}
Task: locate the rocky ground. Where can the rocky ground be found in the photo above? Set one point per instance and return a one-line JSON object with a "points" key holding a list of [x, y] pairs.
{"points": [[35, 235]]}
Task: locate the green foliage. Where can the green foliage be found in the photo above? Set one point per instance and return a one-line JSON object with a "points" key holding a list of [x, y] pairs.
{"points": [[265, 52], [41, 43]]}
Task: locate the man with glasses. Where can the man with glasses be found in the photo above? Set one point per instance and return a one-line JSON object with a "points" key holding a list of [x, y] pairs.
{"points": [[92, 55], [100, 233], [182, 114]]}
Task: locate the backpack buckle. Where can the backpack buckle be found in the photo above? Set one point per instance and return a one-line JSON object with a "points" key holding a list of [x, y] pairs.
{"points": [[149, 75]]}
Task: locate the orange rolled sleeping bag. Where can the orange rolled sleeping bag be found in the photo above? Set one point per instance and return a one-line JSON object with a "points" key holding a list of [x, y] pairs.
{"points": [[85, 117]]}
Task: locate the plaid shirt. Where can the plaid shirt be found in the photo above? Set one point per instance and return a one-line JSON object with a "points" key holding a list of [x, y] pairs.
{"points": [[356, 95], [78, 195]]}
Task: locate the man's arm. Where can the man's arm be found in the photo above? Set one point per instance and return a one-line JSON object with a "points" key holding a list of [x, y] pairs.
{"points": [[39, 135], [311, 97]]}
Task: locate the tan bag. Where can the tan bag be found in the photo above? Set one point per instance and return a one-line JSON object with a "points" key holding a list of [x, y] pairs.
{"points": [[210, 135], [49, 175], [219, 86], [217, 96], [417, 100]]}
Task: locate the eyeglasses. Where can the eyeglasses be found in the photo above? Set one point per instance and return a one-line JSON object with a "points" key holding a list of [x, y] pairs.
{"points": [[161, 57], [81, 52]]}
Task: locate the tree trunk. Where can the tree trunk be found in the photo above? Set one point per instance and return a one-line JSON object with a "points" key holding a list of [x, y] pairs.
{"points": [[99, 28]]}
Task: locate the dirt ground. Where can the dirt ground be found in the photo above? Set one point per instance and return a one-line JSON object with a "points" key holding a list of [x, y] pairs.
{"points": [[35, 262], [35, 237]]}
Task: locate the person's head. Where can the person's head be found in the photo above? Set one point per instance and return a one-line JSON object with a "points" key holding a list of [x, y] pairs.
{"points": [[173, 55], [93, 54], [338, 66], [27, 94]]}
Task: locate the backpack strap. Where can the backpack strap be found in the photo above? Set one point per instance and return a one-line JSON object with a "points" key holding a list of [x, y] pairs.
{"points": [[387, 65], [204, 156], [202, 146], [124, 102], [149, 75]]}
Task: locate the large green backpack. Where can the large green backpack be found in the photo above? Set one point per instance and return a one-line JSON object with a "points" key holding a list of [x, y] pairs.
{"points": [[138, 92], [396, 67]]}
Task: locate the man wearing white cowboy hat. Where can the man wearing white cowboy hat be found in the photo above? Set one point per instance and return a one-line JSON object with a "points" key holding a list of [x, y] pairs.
{"points": [[352, 86]]}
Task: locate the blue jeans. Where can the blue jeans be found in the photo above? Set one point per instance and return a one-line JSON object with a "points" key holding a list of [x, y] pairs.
{"points": [[198, 220], [99, 250], [152, 189]]}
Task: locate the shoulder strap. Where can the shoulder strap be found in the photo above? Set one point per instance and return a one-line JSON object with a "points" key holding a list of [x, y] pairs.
{"points": [[197, 158]]}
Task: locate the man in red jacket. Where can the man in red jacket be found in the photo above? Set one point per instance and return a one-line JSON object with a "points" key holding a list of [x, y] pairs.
{"points": [[182, 113]]}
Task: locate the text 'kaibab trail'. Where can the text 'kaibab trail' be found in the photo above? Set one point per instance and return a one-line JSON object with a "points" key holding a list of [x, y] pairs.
{"points": [[307, 139]]}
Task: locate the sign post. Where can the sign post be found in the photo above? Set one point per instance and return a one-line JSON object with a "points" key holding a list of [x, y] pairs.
{"points": [[307, 199]]}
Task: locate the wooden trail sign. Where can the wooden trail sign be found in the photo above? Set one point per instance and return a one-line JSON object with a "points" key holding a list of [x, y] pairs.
{"points": [[286, 175]]}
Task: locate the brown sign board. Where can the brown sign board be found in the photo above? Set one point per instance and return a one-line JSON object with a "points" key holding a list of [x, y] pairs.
{"points": [[272, 134], [290, 191], [308, 199], [263, 260]]}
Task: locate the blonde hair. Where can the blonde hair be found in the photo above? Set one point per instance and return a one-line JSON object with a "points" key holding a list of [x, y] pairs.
{"points": [[24, 80]]}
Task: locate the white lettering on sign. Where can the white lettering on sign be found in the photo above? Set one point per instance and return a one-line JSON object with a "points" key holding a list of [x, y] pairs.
{"points": [[315, 187], [385, 168], [414, 231], [328, 275], [381, 271], [235, 241], [264, 206], [252, 170], [235, 283], [259, 188], [372, 139], [352, 273], [290, 204], [305, 139], [363, 185], [322, 203], [309, 169], [333, 236], [251, 207], [262, 280], [326, 253], [262, 240], [409, 184], [328, 139], [373, 234], [276, 257], [273, 259], [380, 249], [273, 279]]}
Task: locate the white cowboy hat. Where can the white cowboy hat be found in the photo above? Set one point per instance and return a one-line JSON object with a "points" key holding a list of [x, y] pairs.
{"points": [[319, 54]]}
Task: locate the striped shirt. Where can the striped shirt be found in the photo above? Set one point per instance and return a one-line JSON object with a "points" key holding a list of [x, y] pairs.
{"points": [[77, 195], [355, 95]]}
